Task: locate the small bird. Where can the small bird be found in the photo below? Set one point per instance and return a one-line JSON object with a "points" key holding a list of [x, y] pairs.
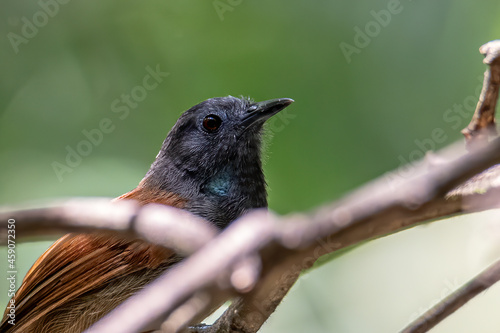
{"points": [[209, 164]]}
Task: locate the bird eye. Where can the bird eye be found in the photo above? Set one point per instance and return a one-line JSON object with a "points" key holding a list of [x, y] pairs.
{"points": [[211, 123]]}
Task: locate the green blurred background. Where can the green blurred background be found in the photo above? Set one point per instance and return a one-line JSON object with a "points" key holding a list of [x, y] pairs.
{"points": [[356, 117]]}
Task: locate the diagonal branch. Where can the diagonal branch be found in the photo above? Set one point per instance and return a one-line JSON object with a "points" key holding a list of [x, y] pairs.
{"points": [[483, 121], [208, 270], [375, 210], [453, 302]]}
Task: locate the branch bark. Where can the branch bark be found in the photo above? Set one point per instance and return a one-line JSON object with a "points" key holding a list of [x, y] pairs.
{"points": [[163, 225], [482, 124], [453, 302]]}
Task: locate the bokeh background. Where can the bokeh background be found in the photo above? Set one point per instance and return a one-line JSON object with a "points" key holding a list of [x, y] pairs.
{"points": [[366, 103]]}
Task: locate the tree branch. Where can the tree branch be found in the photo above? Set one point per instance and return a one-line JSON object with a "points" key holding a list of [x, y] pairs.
{"points": [[483, 122], [375, 210], [159, 224], [453, 302]]}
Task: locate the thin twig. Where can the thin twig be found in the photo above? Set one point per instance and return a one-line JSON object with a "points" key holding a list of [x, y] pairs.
{"points": [[453, 302], [482, 124]]}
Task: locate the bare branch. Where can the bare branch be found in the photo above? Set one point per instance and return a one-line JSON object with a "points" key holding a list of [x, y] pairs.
{"points": [[159, 224], [206, 270], [453, 302], [483, 122], [380, 208]]}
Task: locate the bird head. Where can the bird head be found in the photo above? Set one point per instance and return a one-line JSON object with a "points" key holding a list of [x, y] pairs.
{"points": [[212, 157]]}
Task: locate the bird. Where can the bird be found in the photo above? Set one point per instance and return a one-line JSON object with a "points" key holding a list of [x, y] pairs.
{"points": [[209, 164]]}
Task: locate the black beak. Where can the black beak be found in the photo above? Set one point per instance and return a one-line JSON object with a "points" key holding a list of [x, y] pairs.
{"points": [[261, 111]]}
